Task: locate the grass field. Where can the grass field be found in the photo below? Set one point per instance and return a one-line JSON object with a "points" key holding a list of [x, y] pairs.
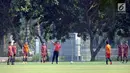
{"points": [[65, 67]]}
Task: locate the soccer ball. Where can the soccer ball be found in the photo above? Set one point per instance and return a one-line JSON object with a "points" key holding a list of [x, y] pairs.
{"points": [[71, 62]]}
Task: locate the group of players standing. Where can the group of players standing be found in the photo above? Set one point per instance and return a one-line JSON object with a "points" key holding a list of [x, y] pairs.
{"points": [[12, 49], [122, 52]]}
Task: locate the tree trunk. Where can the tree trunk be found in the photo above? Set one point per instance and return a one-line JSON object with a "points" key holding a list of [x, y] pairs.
{"points": [[100, 45], [93, 57], [91, 47], [97, 49], [39, 37]]}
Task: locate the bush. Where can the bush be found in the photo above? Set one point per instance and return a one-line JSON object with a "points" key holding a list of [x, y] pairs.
{"points": [[36, 57]]}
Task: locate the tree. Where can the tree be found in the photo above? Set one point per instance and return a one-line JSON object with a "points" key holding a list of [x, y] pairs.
{"points": [[94, 18]]}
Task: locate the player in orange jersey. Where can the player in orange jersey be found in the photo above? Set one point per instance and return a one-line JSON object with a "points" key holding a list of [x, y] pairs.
{"points": [[108, 53], [25, 52]]}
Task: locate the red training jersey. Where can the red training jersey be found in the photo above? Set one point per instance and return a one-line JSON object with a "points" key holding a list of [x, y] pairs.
{"points": [[10, 50], [125, 49], [120, 47], [14, 49], [43, 50], [57, 47]]}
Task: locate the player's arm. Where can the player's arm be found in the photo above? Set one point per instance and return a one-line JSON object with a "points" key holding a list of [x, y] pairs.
{"points": [[28, 48], [22, 49], [8, 49], [52, 41], [110, 49]]}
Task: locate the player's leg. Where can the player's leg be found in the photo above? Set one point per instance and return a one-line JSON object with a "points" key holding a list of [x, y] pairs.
{"points": [[11, 60], [8, 60], [126, 57], [123, 58], [41, 58], [26, 57], [57, 54], [107, 61], [118, 58], [14, 57], [44, 58], [54, 54], [110, 60]]}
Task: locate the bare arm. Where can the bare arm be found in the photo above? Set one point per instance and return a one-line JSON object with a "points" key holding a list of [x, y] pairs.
{"points": [[52, 41]]}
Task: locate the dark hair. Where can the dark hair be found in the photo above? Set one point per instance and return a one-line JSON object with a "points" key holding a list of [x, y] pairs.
{"points": [[9, 42], [56, 41], [43, 42], [14, 42], [107, 42]]}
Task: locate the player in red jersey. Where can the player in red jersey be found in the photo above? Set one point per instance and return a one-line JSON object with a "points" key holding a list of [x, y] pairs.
{"points": [[14, 50], [10, 54], [43, 52], [120, 48], [56, 51], [125, 52]]}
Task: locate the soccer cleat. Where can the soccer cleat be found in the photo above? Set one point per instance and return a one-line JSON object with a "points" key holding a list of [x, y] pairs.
{"points": [[7, 63]]}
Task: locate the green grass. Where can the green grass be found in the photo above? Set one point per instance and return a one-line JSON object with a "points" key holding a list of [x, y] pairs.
{"points": [[65, 67]]}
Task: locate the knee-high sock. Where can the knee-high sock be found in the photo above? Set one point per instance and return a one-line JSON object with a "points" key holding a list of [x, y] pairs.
{"points": [[8, 61]]}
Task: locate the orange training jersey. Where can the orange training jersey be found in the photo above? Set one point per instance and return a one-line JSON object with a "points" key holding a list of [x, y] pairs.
{"points": [[25, 48], [108, 49]]}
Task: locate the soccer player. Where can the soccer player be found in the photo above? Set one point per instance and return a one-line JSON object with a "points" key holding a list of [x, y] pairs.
{"points": [[120, 48], [14, 50], [125, 52], [108, 53], [10, 54], [43, 52], [25, 52], [56, 51]]}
